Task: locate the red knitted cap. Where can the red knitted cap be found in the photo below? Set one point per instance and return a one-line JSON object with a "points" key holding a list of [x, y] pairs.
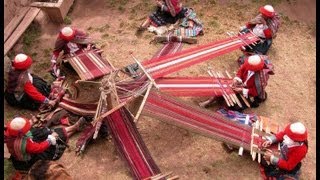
{"points": [[296, 131], [254, 63], [67, 33], [18, 126], [267, 10], [22, 62]]}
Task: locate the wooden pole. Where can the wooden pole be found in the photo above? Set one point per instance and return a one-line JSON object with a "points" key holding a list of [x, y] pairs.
{"points": [[143, 102]]}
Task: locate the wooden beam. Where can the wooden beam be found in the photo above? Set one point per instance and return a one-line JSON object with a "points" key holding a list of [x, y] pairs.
{"points": [[29, 17], [14, 22]]}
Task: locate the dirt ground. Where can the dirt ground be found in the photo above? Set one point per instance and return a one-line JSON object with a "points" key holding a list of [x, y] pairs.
{"points": [[291, 91]]}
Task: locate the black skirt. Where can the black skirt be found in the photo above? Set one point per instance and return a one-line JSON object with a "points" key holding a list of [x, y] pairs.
{"points": [[26, 101], [162, 18]]}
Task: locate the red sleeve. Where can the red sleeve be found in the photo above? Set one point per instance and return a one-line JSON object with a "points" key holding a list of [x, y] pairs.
{"points": [[249, 26], [33, 92], [35, 148], [55, 54], [268, 33], [295, 155], [279, 136], [240, 72]]}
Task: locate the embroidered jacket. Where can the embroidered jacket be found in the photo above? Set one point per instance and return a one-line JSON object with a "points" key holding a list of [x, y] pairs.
{"points": [[22, 147], [264, 28]]}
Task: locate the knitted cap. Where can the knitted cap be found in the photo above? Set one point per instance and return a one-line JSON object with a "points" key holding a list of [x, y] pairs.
{"points": [[22, 62], [267, 10], [18, 126], [254, 63], [296, 131], [67, 33]]}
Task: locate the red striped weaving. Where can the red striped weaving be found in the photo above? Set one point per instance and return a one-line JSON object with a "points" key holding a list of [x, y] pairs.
{"points": [[171, 63], [130, 144], [89, 64], [78, 108], [194, 86], [197, 119]]}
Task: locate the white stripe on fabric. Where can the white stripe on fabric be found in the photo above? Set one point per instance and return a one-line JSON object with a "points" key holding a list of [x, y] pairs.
{"points": [[161, 66], [190, 85]]}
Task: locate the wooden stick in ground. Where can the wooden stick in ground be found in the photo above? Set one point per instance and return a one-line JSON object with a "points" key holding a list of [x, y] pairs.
{"points": [[112, 110], [223, 91], [233, 94], [225, 98], [230, 95], [143, 102]]}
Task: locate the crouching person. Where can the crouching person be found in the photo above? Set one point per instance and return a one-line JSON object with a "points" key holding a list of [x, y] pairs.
{"points": [[24, 89], [28, 145], [294, 147]]}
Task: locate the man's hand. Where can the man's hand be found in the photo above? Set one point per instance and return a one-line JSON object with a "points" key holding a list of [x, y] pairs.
{"points": [[267, 143], [52, 103], [267, 155], [54, 134], [237, 89]]}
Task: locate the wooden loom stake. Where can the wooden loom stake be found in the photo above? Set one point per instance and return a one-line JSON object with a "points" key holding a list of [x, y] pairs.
{"points": [[225, 98], [232, 95], [224, 92], [143, 102], [243, 98], [144, 70]]}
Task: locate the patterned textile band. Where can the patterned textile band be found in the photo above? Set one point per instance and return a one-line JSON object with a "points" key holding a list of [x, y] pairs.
{"points": [[78, 108], [171, 63], [194, 86], [130, 144], [168, 48], [196, 119], [89, 64]]}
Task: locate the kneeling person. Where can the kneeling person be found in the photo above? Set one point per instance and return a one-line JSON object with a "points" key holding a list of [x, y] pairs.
{"points": [[24, 89]]}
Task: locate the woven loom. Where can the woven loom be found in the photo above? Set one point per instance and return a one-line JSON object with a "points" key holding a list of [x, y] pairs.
{"points": [[165, 65], [199, 120], [130, 144], [168, 48], [194, 86], [89, 64], [78, 108]]}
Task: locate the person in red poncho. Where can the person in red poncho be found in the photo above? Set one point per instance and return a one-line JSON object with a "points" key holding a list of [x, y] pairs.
{"points": [[168, 12], [250, 81], [293, 149], [24, 89], [265, 26], [70, 40], [28, 145]]}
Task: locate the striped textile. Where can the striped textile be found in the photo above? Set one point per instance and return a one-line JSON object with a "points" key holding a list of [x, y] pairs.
{"points": [[89, 64], [196, 119], [130, 144], [168, 48], [78, 108], [194, 86], [165, 65]]}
